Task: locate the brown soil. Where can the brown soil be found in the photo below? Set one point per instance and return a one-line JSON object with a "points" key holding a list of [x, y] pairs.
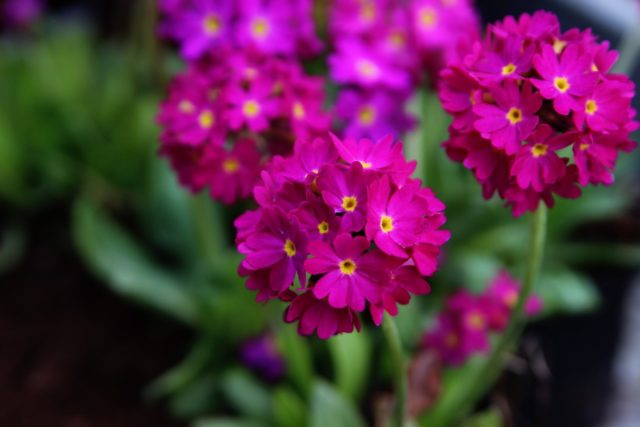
{"points": [[72, 354]]}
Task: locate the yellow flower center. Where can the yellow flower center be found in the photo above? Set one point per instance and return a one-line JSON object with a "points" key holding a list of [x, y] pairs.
{"points": [[260, 28], [539, 150], [365, 165], [508, 69], [366, 115], [230, 165], [250, 73], [298, 111], [211, 25], [186, 107], [428, 17], [349, 203], [251, 108], [368, 12], [289, 248], [514, 116], [323, 227], [206, 119], [451, 340], [367, 68], [594, 67], [397, 39], [348, 267], [562, 84], [511, 298], [558, 46], [591, 107], [386, 223], [584, 146], [476, 321]]}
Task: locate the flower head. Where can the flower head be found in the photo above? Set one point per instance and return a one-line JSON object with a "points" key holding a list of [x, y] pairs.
{"points": [[329, 199]]}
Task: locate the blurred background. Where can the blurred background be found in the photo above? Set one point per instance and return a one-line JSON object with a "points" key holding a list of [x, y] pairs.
{"points": [[107, 316]]}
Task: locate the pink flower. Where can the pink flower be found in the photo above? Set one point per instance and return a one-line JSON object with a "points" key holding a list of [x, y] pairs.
{"points": [[537, 165], [512, 61], [564, 80], [596, 156], [394, 217], [280, 247], [350, 277], [235, 172], [345, 190], [604, 110], [458, 93], [513, 118], [502, 296], [252, 108], [316, 315], [265, 25]]}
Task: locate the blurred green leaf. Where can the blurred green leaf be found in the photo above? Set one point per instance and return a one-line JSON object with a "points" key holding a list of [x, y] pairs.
{"points": [[227, 422], [197, 398], [351, 359], [489, 418], [330, 408], [246, 395], [289, 409], [297, 355], [565, 291], [116, 258]]}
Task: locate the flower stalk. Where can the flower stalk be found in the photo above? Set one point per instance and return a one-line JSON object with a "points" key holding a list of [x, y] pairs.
{"points": [[399, 364]]}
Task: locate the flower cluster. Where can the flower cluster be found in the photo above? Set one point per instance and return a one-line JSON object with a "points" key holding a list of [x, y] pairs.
{"points": [[345, 218], [278, 27], [463, 327], [21, 13], [537, 112], [261, 355], [381, 50], [228, 112]]}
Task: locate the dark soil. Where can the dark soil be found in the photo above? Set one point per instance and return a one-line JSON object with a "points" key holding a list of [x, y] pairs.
{"points": [[72, 354]]}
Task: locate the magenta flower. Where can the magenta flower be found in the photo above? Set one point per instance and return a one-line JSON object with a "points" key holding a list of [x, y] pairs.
{"points": [[350, 277], [501, 297], [527, 75], [265, 25], [316, 315], [252, 108], [261, 354], [322, 191], [564, 80], [513, 118], [235, 172], [280, 247], [21, 13]]}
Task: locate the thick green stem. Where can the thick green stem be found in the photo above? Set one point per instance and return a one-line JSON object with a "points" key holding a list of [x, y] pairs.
{"points": [[493, 366], [398, 360]]}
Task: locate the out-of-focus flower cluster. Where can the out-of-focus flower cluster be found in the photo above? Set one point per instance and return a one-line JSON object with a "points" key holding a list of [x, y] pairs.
{"points": [[20, 13], [463, 327], [347, 220], [244, 96], [261, 354], [383, 48], [277, 27], [227, 113], [537, 112]]}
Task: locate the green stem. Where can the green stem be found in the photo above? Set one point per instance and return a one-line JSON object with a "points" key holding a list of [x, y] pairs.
{"points": [[209, 240], [392, 336], [493, 365]]}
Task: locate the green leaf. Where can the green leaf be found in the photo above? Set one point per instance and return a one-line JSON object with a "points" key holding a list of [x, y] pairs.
{"points": [[227, 422], [489, 418], [565, 291], [115, 257], [246, 395], [330, 408], [289, 409], [197, 399], [295, 350], [350, 354]]}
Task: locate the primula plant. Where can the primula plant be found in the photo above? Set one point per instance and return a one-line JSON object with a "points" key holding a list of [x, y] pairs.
{"points": [[304, 205]]}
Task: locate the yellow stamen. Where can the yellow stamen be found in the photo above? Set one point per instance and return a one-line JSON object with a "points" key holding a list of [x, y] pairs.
{"points": [[511, 298], [368, 12], [323, 227], [206, 119], [539, 150], [367, 68], [230, 165], [366, 115], [591, 107], [562, 84], [397, 39], [386, 223], [289, 248], [514, 116], [348, 267], [365, 165], [251, 108], [298, 111], [349, 203], [558, 46], [508, 69], [594, 67], [211, 25], [428, 17], [260, 28], [186, 107], [584, 146], [476, 321]]}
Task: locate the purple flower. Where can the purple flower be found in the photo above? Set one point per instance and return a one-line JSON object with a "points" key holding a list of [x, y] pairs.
{"points": [[262, 355], [21, 13]]}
